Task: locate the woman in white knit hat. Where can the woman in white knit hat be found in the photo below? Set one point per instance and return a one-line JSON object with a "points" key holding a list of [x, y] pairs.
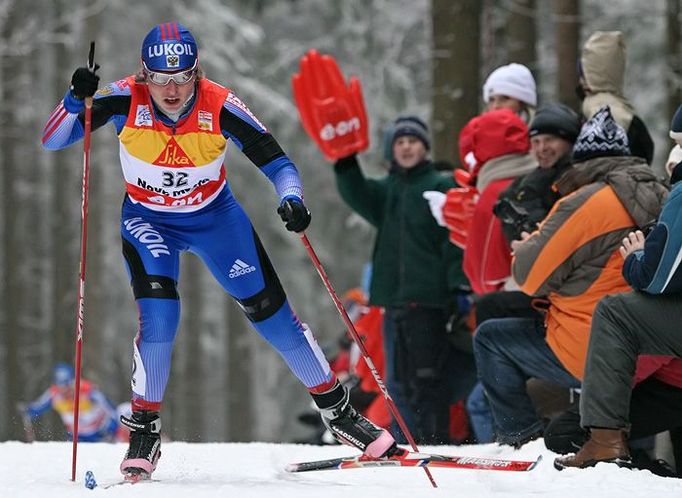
{"points": [[511, 87]]}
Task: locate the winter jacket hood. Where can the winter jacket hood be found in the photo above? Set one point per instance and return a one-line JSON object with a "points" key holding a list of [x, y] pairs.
{"points": [[603, 62], [603, 67], [499, 133], [640, 191]]}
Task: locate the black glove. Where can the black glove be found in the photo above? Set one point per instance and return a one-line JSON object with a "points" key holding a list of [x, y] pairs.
{"points": [[294, 213], [84, 82]]}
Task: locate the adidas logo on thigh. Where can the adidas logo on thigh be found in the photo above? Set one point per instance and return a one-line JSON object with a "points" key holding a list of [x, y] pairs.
{"points": [[240, 268]]}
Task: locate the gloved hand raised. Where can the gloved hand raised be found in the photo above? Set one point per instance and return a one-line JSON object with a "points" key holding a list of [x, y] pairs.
{"points": [[84, 82], [436, 201], [294, 214]]}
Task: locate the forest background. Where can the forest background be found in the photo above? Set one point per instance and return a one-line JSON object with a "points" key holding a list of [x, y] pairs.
{"points": [[423, 57]]}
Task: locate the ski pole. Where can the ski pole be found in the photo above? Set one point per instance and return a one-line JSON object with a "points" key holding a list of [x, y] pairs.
{"points": [[80, 313], [365, 354]]}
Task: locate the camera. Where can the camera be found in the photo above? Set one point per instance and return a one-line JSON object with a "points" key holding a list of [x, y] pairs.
{"points": [[514, 216]]}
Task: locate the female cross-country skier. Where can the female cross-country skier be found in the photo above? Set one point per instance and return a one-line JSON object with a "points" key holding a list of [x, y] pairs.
{"points": [[173, 126]]}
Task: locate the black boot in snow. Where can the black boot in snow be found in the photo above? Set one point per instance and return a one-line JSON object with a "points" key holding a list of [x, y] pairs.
{"points": [[144, 450], [351, 428]]}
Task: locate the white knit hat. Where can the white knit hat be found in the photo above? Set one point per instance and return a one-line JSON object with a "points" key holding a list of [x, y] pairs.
{"points": [[513, 80], [674, 158]]}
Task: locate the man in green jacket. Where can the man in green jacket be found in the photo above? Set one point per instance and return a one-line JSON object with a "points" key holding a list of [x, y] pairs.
{"points": [[416, 273]]}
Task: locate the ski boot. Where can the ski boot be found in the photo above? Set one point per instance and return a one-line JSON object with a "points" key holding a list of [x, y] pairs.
{"points": [[351, 428], [145, 445]]}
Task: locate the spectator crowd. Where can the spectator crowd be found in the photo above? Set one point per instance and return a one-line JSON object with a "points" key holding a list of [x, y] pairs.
{"points": [[534, 292]]}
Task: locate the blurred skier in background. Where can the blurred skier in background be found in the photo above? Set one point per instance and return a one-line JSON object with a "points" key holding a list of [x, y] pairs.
{"points": [[97, 415]]}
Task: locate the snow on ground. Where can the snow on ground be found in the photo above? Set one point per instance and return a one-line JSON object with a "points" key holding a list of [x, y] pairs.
{"points": [[43, 470]]}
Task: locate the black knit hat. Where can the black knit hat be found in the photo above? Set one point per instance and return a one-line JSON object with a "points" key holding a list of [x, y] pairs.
{"points": [[601, 136], [558, 120], [413, 126]]}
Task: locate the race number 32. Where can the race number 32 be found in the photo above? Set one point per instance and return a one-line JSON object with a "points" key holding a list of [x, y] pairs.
{"points": [[174, 179]]}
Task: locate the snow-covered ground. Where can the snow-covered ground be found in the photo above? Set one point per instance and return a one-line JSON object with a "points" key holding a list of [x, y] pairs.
{"points": [[43, 470]]}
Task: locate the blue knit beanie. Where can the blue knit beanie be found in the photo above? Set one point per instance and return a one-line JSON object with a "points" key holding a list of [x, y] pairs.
{"points": [[413, 126]]}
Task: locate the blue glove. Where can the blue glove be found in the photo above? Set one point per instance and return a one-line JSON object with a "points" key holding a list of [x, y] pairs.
{"points": [[294, 214]]}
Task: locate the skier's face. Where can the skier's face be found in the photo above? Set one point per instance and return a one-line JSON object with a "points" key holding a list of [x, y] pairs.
{"points": [[171, 97], [408, 151]]}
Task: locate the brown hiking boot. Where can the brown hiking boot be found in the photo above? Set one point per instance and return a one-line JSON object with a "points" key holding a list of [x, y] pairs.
{"points": [[604, 445]]}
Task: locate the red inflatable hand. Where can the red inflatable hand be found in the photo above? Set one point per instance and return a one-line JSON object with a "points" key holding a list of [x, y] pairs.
{"points": [[458, 212], [332, 112], [464, 178]]}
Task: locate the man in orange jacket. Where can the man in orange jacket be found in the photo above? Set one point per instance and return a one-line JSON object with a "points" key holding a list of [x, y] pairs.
{"points": [[572, 260]]}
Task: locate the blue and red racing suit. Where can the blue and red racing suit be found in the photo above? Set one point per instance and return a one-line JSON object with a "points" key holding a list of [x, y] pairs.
{"points": [[178, 199], [97, 419]]}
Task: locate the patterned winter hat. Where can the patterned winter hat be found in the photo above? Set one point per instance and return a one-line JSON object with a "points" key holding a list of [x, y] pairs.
{"points": [[169, 47], [411, 125], [601, 136]]}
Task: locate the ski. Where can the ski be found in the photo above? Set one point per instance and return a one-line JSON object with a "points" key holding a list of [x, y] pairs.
{"points": [[91, 482], [412, 459], [124, 482]]}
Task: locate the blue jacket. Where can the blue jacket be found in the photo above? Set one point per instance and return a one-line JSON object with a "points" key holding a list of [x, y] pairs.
{"points": [[656, 269]]}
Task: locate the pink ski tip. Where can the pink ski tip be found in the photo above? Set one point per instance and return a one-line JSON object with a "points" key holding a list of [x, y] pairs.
{"points": [[380, 446]]}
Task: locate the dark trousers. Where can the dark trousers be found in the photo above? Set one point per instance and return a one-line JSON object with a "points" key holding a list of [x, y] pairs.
{"points": [[625, 326], [654, 407], [422, 355], [508, 352]]}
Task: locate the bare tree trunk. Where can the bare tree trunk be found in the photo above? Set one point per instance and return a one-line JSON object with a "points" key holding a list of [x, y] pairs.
{"points": [[567, 14], [522, 34], [674, 58], [240, 368], [11, 237], [455, 72], [65, 230]]}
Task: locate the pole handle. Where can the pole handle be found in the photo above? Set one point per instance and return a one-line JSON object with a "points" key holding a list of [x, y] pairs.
{"points": [[91, 67]]}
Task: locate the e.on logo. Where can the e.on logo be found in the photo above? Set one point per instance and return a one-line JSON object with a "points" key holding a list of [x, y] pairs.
{"points": [[330, 131]]}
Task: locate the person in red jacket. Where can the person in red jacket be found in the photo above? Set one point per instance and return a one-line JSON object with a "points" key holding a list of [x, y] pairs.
{"points": [[500, 145]]}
